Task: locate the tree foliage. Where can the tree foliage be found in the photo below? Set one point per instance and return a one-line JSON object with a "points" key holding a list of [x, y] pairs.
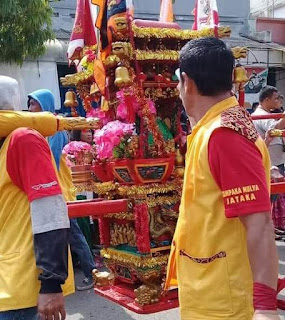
{"points": [[25, 25]]}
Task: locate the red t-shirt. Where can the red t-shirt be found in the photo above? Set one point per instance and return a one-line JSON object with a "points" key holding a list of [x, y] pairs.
{"points": [[236, 164], [29, 164]]}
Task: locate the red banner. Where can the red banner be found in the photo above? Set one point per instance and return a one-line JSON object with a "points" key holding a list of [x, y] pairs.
{"points": [[83, 33]]}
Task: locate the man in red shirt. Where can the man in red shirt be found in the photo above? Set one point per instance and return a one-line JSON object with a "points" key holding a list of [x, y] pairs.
{"points": [[34, 224], [223, 258]]}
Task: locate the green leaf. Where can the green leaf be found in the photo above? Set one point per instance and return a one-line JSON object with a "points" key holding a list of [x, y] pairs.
{"points": [[25, 26]]}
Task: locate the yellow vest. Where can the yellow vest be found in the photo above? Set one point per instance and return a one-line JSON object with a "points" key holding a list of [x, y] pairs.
{"points": [[65, 180], [209, 260], [19, 284]]}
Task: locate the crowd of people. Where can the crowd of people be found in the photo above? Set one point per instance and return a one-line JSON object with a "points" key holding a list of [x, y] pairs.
{"points": [[223, 256]]}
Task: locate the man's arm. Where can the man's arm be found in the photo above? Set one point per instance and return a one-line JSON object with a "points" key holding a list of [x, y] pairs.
{"points": [[261, 247], [263, 259], [50, 226], [236, 162], [34, 174], [280, 124]]}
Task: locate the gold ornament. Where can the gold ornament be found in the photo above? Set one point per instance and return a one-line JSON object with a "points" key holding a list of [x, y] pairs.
{"points": [[147, 294], [160, 55], [122, 50], [162, 200], [99, 188], [163, 33], [122, 234], [104, 105], [121, 216], [78, 123], [111, 61], [276, 133], [132, 260], [239, 52], [122, 77], [179, 159], [121, 25], [143, 191], [240, 75], [180, 172], [159, 222], [74, 79], [94, 90], [103, 279], [71, 101]]}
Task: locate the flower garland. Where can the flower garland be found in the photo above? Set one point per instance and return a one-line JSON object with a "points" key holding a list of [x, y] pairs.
{"points": [[134, 191], [162, 200], [120, 216], [138, 191], [142, 227], [99, 188]]}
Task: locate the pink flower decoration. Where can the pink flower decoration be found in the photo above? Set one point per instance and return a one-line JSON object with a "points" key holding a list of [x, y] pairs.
{"points": [[127, 100], [78, 153], [151, 106], [74, 147], [107, 138], [98, 113]]}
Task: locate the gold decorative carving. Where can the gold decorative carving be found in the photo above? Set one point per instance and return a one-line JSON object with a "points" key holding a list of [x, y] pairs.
{"points": [[163, 33], [147, 294], [103, 279], [78, 123], [132, 260]]}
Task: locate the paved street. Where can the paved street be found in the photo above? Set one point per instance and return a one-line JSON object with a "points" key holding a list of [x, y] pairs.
{"points": [[89, 306]]}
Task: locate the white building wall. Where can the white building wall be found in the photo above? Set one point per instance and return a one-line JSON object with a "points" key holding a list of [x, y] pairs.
{"points": [[34, 75], [280, 12], [265, 8]]}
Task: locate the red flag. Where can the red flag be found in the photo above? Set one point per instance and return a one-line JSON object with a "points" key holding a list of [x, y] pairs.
{"points": [[83, 33], [205, 14], [166, 11]]}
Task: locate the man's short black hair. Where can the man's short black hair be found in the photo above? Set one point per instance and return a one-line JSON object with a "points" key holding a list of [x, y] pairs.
{"points": [[209, 63], [267, 92]]}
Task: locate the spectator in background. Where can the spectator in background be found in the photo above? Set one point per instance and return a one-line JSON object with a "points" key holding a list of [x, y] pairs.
{"points": [[269, 101], [83, 135], [43, 100]]}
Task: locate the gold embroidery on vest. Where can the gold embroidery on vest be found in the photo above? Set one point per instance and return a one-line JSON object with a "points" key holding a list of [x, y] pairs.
{"points": [[238, 119]]}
